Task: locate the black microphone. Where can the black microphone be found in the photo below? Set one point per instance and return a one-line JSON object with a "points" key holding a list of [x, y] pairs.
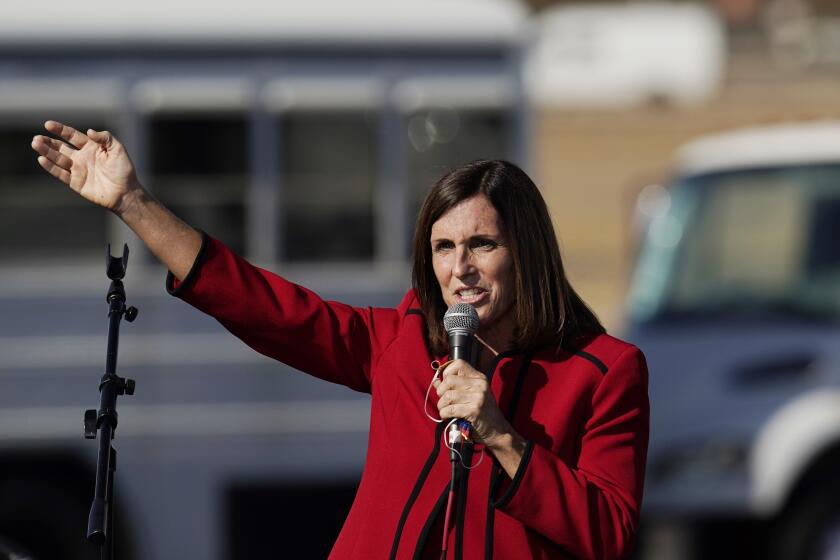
{"points": [[461, 322]]}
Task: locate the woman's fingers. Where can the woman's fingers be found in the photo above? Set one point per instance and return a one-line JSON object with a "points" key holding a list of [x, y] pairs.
{"points": [[464, 380], [103, 137], [58, 145], [58, 172], [462, 368], [454, 383], [68, 133], [454, 411], [453, 396], [50, 143], [453, 405], [464, 392], [47, 148]]}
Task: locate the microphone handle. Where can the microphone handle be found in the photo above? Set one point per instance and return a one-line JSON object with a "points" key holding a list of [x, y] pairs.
{"points": [[460, 346]]}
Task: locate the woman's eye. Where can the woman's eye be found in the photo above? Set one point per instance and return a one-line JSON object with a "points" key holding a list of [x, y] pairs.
{"points": [[483, 244], [443, 246]]}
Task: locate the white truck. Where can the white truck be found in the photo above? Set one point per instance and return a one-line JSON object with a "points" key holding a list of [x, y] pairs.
{"points": [[736, 303]]}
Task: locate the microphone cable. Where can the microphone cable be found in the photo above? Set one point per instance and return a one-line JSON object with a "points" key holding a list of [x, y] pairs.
{"points": [[455, 437]]}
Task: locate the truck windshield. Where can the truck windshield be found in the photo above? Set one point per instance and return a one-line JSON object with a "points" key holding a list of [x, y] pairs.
{"points": [[760, 243]]}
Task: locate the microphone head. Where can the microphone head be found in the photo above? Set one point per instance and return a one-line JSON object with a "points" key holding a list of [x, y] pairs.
{"points": [[461, 318]]}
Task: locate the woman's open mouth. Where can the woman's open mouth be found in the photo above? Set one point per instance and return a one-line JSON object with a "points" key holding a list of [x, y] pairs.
{"points": [[473, 296]]}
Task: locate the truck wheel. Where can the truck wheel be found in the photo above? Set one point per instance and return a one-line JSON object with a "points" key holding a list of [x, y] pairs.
{"points": [[810, 528], [43, 519]]}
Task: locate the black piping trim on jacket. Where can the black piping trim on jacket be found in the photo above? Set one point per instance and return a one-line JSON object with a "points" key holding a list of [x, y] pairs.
{"points": [[602, 367], [430, 521], [517, 389], [414, 311], [421, 479], [190, 277], [520, 474], [495, 477], [495, 482]]}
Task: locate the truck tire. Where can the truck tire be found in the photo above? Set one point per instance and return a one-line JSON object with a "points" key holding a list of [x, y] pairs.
{"points": [[809, 529]]}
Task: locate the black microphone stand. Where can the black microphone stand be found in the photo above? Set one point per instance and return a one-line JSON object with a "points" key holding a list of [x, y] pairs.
{"points": [[101, 519]]}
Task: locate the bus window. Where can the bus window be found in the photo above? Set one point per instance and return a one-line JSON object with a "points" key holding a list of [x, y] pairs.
{"points": [[199, 166], [36, 212], [328, 173], [441, 138]]}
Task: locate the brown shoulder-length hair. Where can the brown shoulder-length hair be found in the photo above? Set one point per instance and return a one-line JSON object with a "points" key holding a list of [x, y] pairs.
{"points": [[546, 309]]}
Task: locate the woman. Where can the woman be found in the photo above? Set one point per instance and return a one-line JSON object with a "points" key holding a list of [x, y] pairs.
{"points": [[559, 406]]}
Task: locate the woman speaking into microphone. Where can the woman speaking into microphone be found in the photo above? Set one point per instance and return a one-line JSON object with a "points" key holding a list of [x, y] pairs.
{"points": [[559, 407]]}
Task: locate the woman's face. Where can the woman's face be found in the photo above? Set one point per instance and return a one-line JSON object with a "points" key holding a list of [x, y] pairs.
{"points": [[473, 264]]}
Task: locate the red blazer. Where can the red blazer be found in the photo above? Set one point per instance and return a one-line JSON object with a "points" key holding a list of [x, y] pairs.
{"points": [[583, 409]]}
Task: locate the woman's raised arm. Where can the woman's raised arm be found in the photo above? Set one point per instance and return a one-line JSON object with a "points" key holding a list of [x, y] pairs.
{"points": [[96, 166]]}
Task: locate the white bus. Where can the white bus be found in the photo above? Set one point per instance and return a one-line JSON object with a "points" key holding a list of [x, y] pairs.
{"points": [[304, 137]]}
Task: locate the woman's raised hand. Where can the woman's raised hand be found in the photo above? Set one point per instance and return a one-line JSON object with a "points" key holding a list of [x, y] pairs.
{"points": [[95, 164]]}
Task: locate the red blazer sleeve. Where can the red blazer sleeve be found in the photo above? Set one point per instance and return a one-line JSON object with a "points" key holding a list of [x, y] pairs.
{"points": [[285, 321], [591, 509]]}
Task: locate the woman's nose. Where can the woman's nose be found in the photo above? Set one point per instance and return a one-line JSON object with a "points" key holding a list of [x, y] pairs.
{"points": [[463, 265]]}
